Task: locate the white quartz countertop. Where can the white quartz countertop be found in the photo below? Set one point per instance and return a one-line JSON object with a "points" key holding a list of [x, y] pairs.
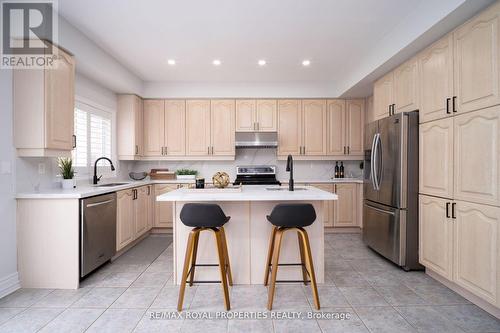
{"points": [[249, 193]]}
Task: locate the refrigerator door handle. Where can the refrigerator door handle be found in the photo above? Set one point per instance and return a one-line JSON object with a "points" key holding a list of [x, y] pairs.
{"points": [[372, 166], [380, 210], [378, 149], [375, 162]]}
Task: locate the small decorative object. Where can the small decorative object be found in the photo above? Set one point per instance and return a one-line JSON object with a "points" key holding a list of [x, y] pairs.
{"points": [[67, 172], [138, 175], [200, 182], [220, 179], [186, 174], [161, 174]]}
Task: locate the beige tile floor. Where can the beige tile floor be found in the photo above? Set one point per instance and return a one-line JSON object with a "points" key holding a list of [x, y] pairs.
{"points": [[122, 296]]}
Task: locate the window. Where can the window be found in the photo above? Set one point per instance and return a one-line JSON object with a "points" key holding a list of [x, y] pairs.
{"points": [[93, 130]]}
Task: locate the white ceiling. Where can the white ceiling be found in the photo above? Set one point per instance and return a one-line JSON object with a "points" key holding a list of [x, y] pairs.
{"points": [[336, 35]]}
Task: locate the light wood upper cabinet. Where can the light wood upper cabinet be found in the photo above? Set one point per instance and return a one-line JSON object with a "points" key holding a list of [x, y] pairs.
{"points": [[436, 235], [436, 80], [336, 119], [246, 115], [346, 207], [289, 127], [369, 115], [154, 127], [405, 87], [477, 156], [436, 158], [383, 96], [129, 133], [222, 127], [477, 61], [198, 127], [267, 115], [354, 125], [175, 128], [125, 229], [141, 211], [44, 102], [163, 209], [476, 249], [314, 127]]}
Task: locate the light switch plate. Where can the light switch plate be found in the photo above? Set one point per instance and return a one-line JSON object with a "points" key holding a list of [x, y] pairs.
{"points": [[41, 168]]}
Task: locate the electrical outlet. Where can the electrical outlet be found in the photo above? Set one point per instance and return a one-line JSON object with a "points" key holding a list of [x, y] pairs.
{"points": [[41, 168]]}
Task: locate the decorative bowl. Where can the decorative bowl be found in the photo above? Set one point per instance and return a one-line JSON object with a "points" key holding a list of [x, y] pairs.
{"points": [[220, 179], [138, 175]]}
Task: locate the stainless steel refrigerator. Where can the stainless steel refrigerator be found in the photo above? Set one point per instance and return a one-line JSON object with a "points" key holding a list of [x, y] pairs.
{"points": [[390, 207]]}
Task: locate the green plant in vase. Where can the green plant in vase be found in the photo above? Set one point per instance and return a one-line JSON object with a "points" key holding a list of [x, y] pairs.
{"points": [[67, 172], [186, 174]]}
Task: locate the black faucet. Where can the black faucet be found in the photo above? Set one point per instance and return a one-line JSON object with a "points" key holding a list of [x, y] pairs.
{"points": [[96, 179], [289, 167]]}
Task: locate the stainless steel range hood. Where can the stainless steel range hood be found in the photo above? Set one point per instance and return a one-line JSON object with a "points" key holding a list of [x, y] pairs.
{"points": [[256, 140]]}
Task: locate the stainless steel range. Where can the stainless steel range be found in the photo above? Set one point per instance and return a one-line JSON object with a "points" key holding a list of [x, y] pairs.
{"points": [[256, 175]]}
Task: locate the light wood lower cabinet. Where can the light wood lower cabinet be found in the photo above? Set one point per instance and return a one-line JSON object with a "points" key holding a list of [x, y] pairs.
{"points": [[163, 209], [346, 207], [133, 215], [460, 241], [328, 217]]}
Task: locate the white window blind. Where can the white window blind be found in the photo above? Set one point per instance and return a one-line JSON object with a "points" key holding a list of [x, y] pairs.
{"points": [[93, 130]]}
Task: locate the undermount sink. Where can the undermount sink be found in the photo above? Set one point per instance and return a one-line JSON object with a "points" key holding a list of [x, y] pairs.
{"points": [[111, 184], [285, 188]]}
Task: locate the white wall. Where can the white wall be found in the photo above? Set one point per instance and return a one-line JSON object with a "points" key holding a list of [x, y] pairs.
{"points": [[8, 260]]}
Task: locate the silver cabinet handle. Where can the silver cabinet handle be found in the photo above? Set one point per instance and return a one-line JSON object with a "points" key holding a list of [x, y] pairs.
{"points": [[74, 141], [208, 152], [303, 150], [163, 150], [166, 150], [212, 150], [100, 203], [348, 150], [258, 126], [136, 149]]}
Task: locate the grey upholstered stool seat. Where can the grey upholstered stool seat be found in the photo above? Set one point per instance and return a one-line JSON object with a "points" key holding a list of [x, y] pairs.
{"points": [[285, 217], [292, 215], [201, 215], [205, 217]]}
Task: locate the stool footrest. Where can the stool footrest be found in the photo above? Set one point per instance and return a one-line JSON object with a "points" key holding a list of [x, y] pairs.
{"points": [[207, 281], [293, 281]]}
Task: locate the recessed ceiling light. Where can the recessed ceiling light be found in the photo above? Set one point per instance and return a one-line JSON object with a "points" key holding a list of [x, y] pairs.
{"points": [[216, 62], [262, 62], [306, 62], [171, 62]]}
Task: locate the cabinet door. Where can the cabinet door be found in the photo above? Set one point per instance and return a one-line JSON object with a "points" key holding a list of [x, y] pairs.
{"points": [[141, 205], [223, 134], [436, 158], [151, 207], [435, 235], [476, 61], [345, 208], [336, 126], [355, 125], [327, 205], [163, 209], [476, 249], [154, 130], [477, 156], [139, 125], [267, 115], [289, 127], [369, 114], [60, 103], [406, 87], [175, 127], [314, 127], [197, 127], [246, 115], [382, 96], [436, 79], [124, 219]]}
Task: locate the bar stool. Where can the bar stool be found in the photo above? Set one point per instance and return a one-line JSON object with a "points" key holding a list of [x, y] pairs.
{"points": [[285, 217], [205, 217]]}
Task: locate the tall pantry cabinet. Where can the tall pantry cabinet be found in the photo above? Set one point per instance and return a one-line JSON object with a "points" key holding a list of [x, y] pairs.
{"points": [[460, 156]]}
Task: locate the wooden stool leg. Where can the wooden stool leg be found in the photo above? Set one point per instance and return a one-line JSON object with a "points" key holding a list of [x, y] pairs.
{"points": [[187, 259], [196, 237], [226, 255], [222, 267], [310, 267], [269, 254], [274, 273], [302, 259]]}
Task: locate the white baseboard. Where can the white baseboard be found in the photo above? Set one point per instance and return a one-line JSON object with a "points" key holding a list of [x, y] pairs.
{"points": [[9, 284]]}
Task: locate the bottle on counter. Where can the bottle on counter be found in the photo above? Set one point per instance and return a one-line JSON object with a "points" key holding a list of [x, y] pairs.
{"points": [[341, 170], [337, 171]]}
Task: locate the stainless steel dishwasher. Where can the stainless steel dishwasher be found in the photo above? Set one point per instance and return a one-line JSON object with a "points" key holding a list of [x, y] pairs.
{"points": [[97, 231]]}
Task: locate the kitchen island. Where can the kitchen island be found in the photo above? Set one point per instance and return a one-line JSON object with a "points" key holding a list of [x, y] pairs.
{"points": [[248, 231]]}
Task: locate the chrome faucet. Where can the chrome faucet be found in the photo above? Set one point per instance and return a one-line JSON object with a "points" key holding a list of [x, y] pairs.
{"points": [[96, 179], [289, 167]]}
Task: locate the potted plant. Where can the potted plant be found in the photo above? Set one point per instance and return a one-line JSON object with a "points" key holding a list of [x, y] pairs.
{"points": [[186, 174], [67, 172]]}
